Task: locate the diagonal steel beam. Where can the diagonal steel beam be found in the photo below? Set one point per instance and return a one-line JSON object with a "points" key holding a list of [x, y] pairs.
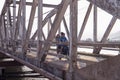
{"points": [[18, 22], [84, 22], [8, 26], [110, 6], [4, 28], [10, 22], [30, 24], [106, 34], [53, 12], [66, 27], [4, 9], [55, 26], [1, 25]]}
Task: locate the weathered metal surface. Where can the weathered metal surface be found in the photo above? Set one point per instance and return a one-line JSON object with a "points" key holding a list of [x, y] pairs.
{"points": [[23, 39], [37, 68], [105, 70], [9, 63], [111, 6]]}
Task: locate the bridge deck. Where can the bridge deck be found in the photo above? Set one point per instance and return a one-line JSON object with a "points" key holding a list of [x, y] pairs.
{"points": [[53, 65]]}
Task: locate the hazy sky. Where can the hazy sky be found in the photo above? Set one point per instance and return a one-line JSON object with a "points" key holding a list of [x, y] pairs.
{"points": [[103, 18], [1, 5]]}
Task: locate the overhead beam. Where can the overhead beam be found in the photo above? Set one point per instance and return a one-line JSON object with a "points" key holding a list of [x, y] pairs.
{"points": [[110, 6], [44, 5]]}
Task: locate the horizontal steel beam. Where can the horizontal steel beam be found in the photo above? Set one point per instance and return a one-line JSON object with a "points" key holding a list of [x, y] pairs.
{"points": [[44, 5], [113, 45], [10, 63]]}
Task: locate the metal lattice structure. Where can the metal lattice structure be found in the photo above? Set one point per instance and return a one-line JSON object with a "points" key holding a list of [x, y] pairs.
{"points": [[30, 44]]}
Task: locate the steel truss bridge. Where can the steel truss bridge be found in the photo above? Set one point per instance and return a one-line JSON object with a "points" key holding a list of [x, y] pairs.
{"points": [[34, 49]]}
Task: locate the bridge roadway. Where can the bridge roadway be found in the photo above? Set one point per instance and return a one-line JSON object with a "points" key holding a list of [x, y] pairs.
{"points": [[90, 66]]}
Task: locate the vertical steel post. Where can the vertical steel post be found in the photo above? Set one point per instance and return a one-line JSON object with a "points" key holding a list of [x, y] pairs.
{"points": [[39, 33], [14, 19], [95, 24], [73, 39], [23, 10]]}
